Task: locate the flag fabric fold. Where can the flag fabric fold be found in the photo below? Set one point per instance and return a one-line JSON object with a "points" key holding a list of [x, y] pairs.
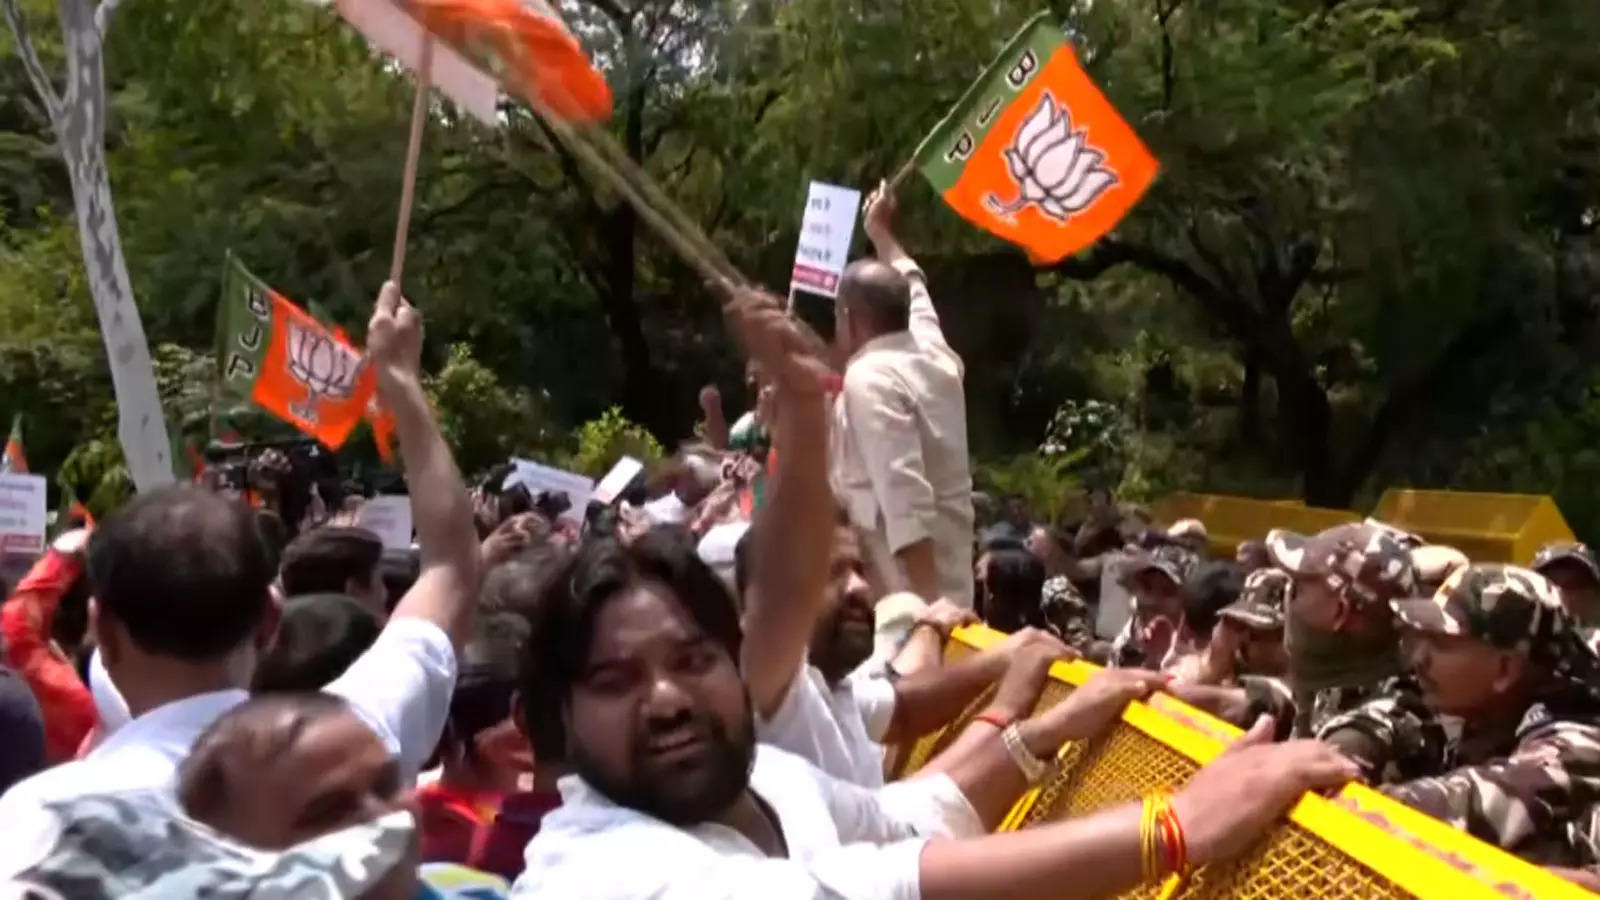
{"points": [[527, 46], [279, 357], [14, 460], [1034, 153]]}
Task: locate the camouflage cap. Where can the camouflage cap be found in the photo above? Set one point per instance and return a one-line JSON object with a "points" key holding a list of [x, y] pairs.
{"points": [[1509, 607], [1365, 561], [1566, 552], [1261, 602], [1171, 560]]}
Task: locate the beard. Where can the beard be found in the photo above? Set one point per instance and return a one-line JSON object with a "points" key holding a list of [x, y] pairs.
{"points": [[681, 795]]}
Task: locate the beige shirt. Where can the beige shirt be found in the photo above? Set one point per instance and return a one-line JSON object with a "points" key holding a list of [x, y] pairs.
{"points": [[899, 461]]}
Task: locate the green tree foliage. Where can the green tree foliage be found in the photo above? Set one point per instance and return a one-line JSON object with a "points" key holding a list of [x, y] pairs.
{"points": [[604, 441], [483, 419], [1370, 258]]}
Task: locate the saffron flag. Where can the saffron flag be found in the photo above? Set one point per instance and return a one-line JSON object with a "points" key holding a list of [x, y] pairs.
{"points": [[1034, 153], [396, 33], [280, 358], [525, 44], [14, 461]]}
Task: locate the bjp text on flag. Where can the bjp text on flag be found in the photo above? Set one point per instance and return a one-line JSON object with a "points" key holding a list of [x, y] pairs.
{"points": [[1034, 152]]}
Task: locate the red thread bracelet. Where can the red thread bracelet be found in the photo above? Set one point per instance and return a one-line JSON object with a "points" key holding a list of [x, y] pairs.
{"points": [[999, 720]]}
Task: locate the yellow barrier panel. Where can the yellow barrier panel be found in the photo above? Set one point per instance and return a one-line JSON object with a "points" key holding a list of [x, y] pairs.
{"points": [[1507, 528], [1358, 844], [1230, 521]]}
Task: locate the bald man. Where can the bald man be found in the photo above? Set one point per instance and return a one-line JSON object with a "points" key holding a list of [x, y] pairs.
{"points": [[900, 425]]}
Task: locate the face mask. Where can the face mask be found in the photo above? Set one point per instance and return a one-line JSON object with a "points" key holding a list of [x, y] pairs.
{"points": [[1323, 659]]}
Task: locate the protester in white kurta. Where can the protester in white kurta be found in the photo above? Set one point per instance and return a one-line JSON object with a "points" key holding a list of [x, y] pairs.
{"points": [[181, 579], [899, 464]]}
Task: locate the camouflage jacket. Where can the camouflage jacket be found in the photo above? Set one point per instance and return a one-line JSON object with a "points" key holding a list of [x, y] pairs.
{"points": [[1535, 794], [1384, 725], [1067, 614]]}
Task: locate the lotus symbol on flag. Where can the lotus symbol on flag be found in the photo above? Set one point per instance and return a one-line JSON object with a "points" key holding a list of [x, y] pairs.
{"points": [[327, 368], [1053, 165]]}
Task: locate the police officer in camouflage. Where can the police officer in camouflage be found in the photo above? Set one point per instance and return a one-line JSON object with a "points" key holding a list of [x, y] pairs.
{"points": [[1495, 648], [1575, 572], [1347, 681]]}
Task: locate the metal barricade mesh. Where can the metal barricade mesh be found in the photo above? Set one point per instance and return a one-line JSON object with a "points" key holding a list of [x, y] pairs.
{"points": [[1120, 767], [1292, 863], [1327, 852]]}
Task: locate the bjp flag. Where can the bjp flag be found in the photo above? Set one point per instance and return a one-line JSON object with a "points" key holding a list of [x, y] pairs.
{"points": [[1034, 153], [276, 355], [527, 47], [14, 460]]}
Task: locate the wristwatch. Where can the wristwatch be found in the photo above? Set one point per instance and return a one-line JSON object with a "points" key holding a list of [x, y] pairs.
{"points": [[1034, 769]]}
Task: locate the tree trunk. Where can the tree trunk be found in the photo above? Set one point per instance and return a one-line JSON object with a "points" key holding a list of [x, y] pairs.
{"points": [[78, 119], [1250, 398], [641, 383]]}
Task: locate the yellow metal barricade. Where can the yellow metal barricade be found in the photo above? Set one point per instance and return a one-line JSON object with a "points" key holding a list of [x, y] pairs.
{"points": [[1508, 528], [1230, 521], [1357, 844]]}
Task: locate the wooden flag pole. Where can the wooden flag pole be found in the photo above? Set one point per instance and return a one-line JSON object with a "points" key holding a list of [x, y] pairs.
{"points": [[408, 178]]}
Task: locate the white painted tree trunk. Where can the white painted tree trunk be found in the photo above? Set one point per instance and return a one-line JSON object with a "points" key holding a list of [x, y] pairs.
{"points": [[78, 118]]}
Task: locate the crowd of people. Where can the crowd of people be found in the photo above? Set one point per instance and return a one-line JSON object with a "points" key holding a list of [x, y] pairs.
{"points": [[697, 692]]}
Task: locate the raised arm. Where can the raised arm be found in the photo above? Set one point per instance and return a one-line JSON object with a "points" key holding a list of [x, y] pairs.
{"points": [[794, 529], [25, 623], [446, 590], [878, 222]]}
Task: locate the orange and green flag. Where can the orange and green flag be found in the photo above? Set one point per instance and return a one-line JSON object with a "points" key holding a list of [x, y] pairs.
{"points": [[14, 460], [276, 355], [1034, 153]]}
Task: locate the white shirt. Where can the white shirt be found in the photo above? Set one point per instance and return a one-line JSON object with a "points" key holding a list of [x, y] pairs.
{"points": [[401, 687], [899, 455], [845, 842], [838, 730]]}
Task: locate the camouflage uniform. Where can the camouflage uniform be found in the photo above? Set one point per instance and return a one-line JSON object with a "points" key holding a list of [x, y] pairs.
{"points": [[1580, 555], [1170, 560], [1533, 790], [1376, 716], [1066, 613]]}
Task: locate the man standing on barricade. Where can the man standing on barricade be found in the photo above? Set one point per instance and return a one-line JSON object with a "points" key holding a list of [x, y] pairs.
{"points": [[899, 460], [1495, 648]]}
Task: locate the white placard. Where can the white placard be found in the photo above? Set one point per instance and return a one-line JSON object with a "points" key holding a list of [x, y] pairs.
{"points": [[22, 513], [618, 479], [578, 488], [826, 227], [389, 517]]}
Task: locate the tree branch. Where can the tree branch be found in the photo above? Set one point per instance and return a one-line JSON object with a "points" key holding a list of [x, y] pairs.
{"points": [[102, 16], [1412, 393], [30, 60]]}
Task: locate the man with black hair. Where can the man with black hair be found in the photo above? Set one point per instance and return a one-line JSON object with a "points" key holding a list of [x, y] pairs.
{"points": [[182, 613], [633, 672], [336, 559], [900, 462]]}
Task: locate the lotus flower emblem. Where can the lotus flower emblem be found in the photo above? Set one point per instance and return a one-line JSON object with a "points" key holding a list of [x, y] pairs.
{"points": [[1053, 165], [326, 367]]}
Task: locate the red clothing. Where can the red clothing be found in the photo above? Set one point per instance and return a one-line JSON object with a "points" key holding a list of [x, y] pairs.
{"points": [[498, 847], [483, 830], [449, 817], [68, 708]]}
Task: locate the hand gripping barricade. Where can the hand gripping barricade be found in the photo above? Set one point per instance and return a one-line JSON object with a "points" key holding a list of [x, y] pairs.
{"points": [[1356, 844]]}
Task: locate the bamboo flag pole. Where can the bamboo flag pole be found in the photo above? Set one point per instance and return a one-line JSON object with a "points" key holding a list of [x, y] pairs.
{"points": [[408, 178]]}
